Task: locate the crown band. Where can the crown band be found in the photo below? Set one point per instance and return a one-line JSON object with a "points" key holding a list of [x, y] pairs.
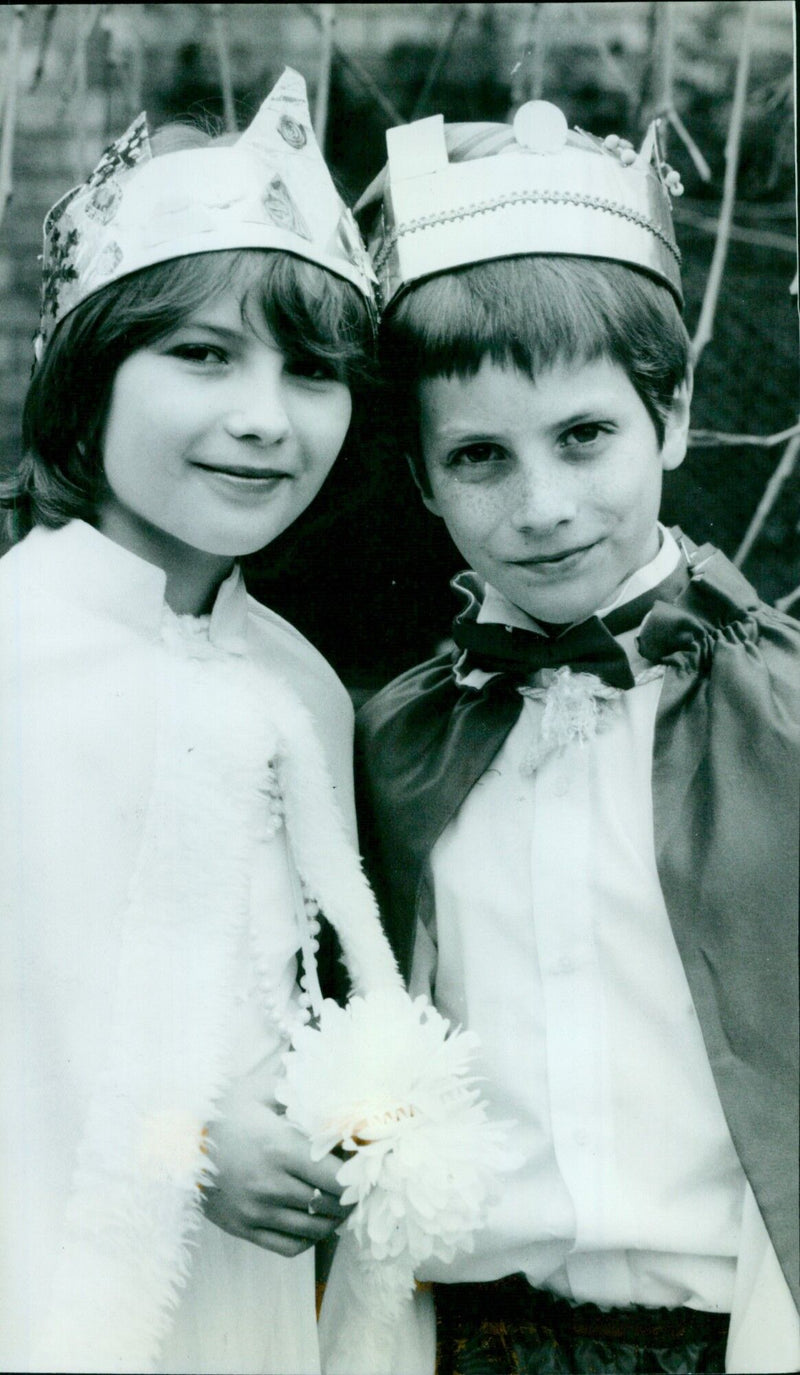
{"points": [[456, 195], [269, 190], [523, 197]]}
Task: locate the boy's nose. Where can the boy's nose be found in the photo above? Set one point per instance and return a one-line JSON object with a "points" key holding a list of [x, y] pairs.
{"points": [[542, 501]]}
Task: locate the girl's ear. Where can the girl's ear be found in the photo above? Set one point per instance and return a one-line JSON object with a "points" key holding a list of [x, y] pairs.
{"points": [[676, 429]]}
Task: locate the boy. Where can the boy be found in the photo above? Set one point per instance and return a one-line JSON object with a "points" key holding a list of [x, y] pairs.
{"points": [[582, 825]]}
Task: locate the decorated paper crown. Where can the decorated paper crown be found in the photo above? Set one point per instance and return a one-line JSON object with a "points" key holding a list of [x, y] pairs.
{"points": [[270, 189], [530, 188]]}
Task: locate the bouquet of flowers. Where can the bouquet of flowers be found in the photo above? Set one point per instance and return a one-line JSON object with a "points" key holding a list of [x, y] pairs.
{"points": [[387, 1082]]}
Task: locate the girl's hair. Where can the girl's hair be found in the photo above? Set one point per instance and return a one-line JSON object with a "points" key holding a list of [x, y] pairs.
{"points": [[308, 311], [528, 313]]}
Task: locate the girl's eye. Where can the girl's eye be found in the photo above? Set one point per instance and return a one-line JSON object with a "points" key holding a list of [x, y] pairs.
{"points": [[200, 353], [311, 369], [476, 455]]}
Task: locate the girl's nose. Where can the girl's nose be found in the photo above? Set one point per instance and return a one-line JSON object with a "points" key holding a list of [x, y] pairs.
{"points": [[259, 412], [544, 499]]}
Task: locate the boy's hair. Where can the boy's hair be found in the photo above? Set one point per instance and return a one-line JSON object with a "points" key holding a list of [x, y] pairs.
{"points": [[308, 311], [528, 313]]}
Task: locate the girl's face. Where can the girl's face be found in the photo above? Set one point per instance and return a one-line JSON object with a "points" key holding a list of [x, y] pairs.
{"points": [[550, 489], [215, 439]]}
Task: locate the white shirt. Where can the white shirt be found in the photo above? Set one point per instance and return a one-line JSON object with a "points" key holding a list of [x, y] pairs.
{"points": [[555, 946]]}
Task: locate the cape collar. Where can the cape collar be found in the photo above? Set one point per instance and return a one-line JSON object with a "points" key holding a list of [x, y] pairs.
{"points": [[717, 595], [111, 581]]}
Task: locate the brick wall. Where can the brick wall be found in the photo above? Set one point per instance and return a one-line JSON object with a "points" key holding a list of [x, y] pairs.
{"points": [[44, 167]]}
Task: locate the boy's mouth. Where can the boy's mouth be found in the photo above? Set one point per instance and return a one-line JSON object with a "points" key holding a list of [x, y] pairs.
{"points": [[557, 558]]}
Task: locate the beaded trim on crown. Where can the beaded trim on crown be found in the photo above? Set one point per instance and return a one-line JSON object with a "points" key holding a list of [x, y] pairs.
{"points": [[270, 189], [541, 189], [532, 198]]}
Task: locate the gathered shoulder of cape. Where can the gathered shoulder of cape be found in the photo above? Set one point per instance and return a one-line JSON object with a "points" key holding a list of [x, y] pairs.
{"points": [[718, 630]]}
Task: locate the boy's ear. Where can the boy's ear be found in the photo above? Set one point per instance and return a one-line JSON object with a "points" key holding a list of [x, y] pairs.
{"points": [[417, 469], [676, 429]]}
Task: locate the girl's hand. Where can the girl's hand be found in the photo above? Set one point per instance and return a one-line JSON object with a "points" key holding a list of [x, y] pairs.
{"points": [[268, 1189]]}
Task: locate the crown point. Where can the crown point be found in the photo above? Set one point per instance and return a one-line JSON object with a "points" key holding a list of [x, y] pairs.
{"points": [[540, 127], [649, 146], [417, 149]]}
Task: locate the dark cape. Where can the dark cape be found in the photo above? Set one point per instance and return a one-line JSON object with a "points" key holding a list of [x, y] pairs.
{"points": [[726, 802]]}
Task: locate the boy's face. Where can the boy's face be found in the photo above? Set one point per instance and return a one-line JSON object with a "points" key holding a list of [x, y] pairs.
{"points": [[550, 489]]}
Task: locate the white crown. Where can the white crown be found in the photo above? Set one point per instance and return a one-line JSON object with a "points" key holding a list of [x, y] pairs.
{"points": [[270, 189], [538, 188]]}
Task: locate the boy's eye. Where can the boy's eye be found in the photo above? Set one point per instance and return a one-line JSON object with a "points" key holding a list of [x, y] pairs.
{"points": [[581, 436], [476, 455], [200, 353]]}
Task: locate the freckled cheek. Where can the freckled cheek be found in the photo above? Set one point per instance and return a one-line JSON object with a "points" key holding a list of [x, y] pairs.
{"points": [[473, 516], [639, 503], [616, 501]]}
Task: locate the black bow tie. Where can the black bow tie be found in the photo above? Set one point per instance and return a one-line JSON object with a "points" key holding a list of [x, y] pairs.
{"points": [[589, 647]]}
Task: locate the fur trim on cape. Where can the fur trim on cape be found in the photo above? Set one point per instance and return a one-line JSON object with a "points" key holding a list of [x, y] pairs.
{"points": [[224, 727]]}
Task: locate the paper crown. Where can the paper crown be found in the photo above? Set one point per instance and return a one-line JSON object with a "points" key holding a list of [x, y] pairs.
{"points": [[270, 189], [529, 188]]}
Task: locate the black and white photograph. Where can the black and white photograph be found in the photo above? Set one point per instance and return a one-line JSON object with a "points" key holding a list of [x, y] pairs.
{"points": [[399, 689]]}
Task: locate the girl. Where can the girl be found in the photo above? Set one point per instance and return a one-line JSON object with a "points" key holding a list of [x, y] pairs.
{"points": [[206, 322]]}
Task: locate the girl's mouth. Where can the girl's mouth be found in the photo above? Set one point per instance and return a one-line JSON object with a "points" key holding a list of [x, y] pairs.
{"points": [[240, 475]]}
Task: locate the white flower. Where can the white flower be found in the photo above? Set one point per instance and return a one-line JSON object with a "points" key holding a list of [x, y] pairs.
{"points": [[384, 1079]]}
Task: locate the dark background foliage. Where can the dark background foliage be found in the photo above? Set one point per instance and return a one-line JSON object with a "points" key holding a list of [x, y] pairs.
{"points": [[365, 571]]}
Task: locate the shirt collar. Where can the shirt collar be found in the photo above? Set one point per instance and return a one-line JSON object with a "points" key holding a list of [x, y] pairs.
{"points": [[496, 609]]}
